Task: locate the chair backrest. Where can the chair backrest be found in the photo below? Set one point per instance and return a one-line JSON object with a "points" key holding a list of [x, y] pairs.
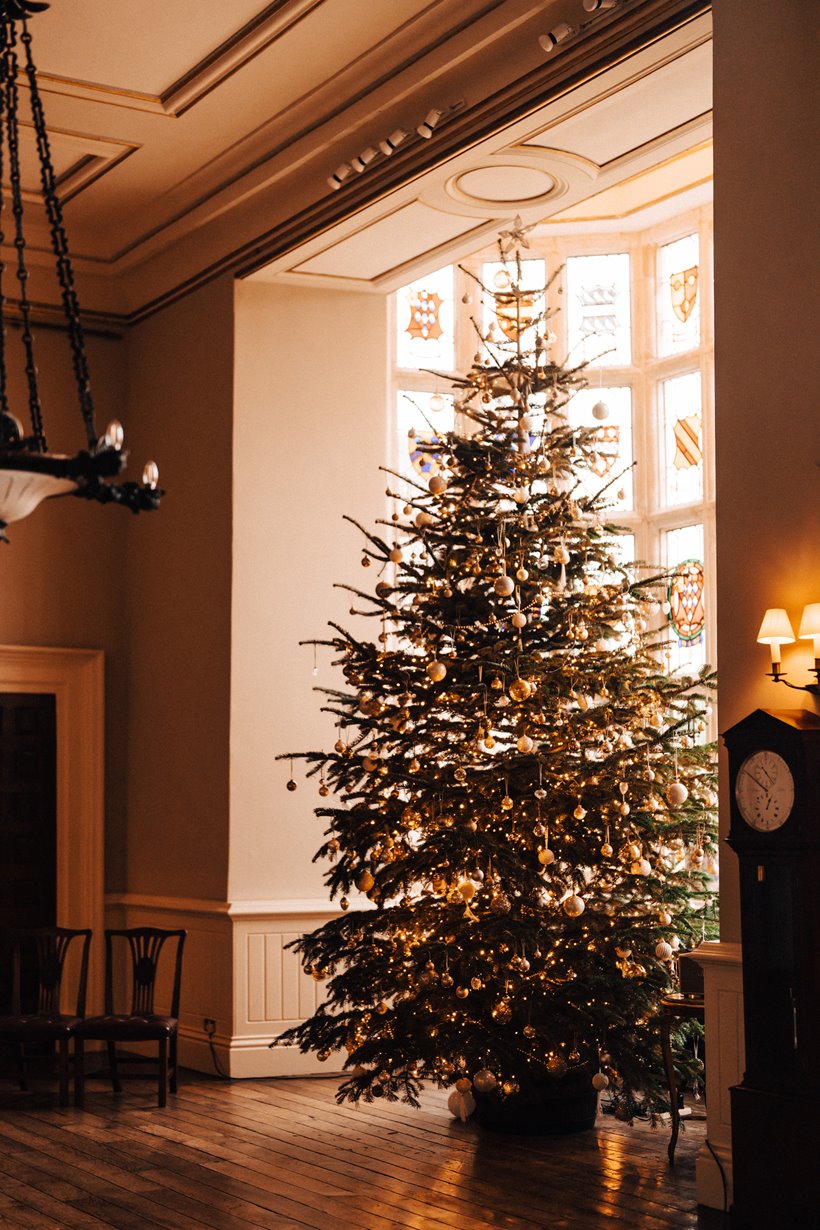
{"points": [[48, 947], [145, 945]]}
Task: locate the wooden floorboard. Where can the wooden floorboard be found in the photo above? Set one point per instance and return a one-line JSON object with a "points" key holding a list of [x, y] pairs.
{"points": [[281, 1155]]}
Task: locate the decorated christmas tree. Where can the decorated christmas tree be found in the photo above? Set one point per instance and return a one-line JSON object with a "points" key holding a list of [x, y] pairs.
{"points": [[520, 790]]}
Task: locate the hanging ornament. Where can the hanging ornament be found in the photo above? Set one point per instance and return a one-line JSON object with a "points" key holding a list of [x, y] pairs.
{"points": [[600, 411], [665, 918], [520, 690], [664, 951], [574, 906], [504, 586], [676, 794], [437, 485], [395, 556], [436, 671], [519, 619], [292, 784], [546, 856], [525, 744], [521, 574], [364, 881], [579, 812], [600, 1081], [485, 1081]]}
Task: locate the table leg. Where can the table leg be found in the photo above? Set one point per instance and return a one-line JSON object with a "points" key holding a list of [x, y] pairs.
{"points": [[666, 1048]]}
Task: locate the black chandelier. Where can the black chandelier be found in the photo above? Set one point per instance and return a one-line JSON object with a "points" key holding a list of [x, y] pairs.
{"points": [[29, 473]]}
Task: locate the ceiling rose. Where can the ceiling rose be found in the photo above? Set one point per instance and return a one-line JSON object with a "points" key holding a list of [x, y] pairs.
{"points": [[504, 183]]}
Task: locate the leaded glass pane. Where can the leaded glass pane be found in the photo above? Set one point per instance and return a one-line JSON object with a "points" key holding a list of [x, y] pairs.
{"points": [[613, 456], [421, 419], [598, 309], [679, 296], [682, 429], [683, 550], [507, 318], [424, 322]]}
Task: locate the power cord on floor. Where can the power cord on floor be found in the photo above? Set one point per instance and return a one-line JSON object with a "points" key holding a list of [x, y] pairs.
{"points": [[210, 1030], [719, 1165]]}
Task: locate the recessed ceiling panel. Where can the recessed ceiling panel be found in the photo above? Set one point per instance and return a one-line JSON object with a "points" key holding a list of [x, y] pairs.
{"points": [[400, 237], [630, 117], [502, 183], [642, 191]]}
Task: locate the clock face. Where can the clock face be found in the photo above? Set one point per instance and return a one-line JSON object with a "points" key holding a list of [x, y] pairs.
{"points": [[764, 790]]}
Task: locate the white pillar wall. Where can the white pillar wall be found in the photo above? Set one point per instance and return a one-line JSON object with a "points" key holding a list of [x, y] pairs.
{"points": [[310, 433]]}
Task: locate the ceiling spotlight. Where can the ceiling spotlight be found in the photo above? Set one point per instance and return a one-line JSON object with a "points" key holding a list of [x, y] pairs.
{"points": [[591, 5], [338, 177], [425, 129], [390, 144], [559, 35], [361, 160]]}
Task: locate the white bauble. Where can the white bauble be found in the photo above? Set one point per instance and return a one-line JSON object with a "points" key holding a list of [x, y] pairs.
{"points": [[600, 1081], [522, 574], [461, 1105], [664, 951], [525, 744], [519, 619], [676, 794], [600, 411], [504, 586]]}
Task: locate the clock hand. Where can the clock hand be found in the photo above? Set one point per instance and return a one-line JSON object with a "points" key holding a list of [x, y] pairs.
{"points": [[758, 783]]}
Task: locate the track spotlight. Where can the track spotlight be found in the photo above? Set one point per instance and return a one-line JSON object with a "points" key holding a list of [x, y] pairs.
{"points": [[361, 160], [559, 35], [390, 144], [338, 177], [425, 129]]}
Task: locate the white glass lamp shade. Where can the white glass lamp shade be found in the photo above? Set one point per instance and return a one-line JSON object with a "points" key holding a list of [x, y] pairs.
{"points": [[22, 490], [776, 630], [810, 626]]}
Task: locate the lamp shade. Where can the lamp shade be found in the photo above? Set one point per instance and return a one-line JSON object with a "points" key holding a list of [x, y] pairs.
{"points": [[810, 626], [776, 628]]}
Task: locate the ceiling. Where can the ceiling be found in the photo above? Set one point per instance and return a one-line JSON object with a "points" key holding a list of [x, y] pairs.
{"points": [[197, 137]]}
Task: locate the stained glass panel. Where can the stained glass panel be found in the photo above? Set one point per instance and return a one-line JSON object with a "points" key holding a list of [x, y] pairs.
{"points": [[421, 419], [424, 322], [685, 599], [598, 309], [679, 294], [510, 314], [682, 431], [613, 452]]}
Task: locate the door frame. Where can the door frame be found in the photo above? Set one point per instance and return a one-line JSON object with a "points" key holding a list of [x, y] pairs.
{"points": [[76, 679]]}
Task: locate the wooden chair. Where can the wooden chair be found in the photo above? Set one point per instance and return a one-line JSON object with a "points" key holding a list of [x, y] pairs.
{"points": [[40, 955], [144, 946]]}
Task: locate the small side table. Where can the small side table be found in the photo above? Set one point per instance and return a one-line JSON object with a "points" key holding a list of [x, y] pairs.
{"points": [[675, 1007]]}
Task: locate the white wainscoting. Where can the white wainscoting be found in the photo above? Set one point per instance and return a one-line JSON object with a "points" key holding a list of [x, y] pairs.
{"points": [[238, 972], [725, 1061]]}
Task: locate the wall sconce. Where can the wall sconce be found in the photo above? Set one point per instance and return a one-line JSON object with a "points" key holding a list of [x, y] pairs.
{"points": [[776, 630]]}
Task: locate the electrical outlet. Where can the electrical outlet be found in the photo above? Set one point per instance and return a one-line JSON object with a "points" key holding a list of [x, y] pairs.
{"points": [[209, 1025]]}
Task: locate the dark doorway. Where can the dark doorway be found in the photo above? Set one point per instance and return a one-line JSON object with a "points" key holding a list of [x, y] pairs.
{"points": [[28, 820]]}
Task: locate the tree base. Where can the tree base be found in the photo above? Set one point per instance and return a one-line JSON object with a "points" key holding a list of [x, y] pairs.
{"points": [[559, 1108]]}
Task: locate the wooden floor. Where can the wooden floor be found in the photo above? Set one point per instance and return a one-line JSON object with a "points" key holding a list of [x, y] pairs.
{"points": [[280, 1153]]}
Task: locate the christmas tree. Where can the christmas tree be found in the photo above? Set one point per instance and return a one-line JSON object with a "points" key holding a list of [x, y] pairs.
{"points": [[519, 787]]}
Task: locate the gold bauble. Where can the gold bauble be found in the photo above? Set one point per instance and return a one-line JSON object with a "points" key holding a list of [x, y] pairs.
{"points": [[520, 689]]}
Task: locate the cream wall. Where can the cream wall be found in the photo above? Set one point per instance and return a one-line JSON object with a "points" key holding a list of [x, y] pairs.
{"points": [[61, 575], [310, 432], [766, 367], [178, 595]]}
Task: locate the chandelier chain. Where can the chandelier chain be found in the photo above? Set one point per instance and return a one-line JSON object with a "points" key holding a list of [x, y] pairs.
{"points": [[59, 242], [12, 122]]}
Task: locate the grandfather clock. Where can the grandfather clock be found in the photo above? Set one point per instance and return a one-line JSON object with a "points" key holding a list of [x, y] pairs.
{"points": [[774, 767]]}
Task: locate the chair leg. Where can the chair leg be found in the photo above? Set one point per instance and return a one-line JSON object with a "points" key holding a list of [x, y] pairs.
{"points": [[116, 1084], [163, 1071], [79, 1073], [173, 1073], [22, 1076], [62, 1046]]}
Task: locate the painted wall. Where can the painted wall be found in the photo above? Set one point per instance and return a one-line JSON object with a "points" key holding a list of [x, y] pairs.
{"points": [[177, 587], [309, 436], [767, 420], [61, 574]]}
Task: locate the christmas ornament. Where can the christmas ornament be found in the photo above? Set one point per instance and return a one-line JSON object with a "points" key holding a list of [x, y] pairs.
{"points": [[519, 619], [436, 671], [676, 794], [600, 411], [664, 951], [600, 1081], [395, 556], [504, 586], [292, 785], [437, 485], [520, 690], [364, 881], [524, 744], [574, 906], [461, 1105]]}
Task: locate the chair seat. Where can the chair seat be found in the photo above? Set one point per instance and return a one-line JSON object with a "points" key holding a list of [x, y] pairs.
{"points": [[123, 1026], [56, 1026]]}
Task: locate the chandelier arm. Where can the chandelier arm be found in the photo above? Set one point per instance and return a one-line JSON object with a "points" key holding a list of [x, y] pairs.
{"points": [[59, 243], [35, 410]]}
